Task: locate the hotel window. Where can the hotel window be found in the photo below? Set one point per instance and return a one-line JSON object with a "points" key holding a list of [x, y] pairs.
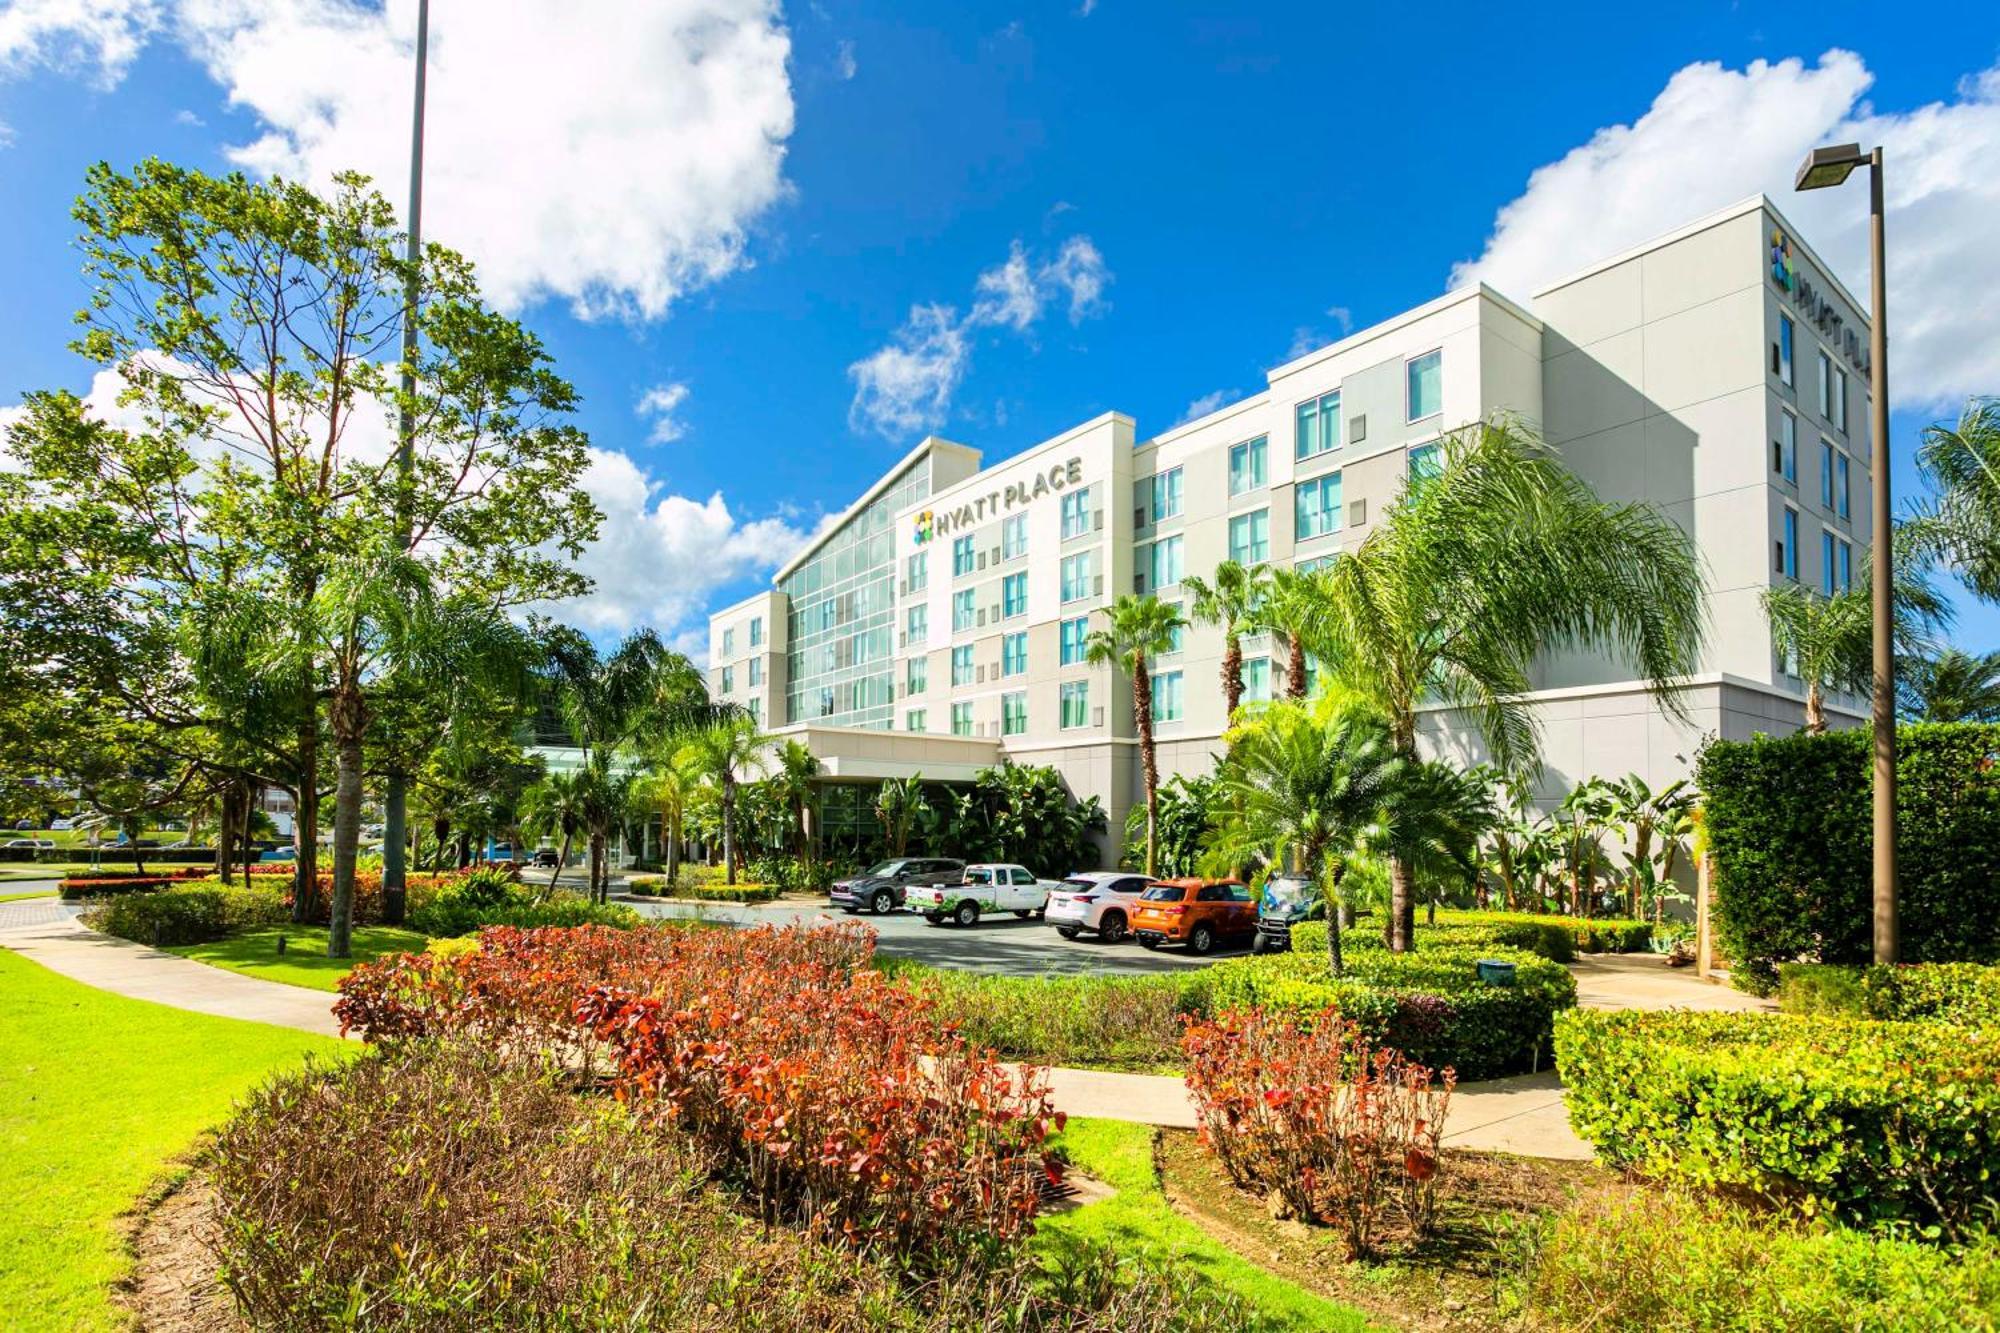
{"points": [[1248, 466], [1840, 401], [1787, 551], [1250, 537], [918, 570], [914, 720], [728, 641], [1014, 654], [1076, 577], [756, 712], [1825, 387], [756, 672], [1075, 513], [1075, 641], [1424, 376], [1317, 428], [1785, 449], [1014, 537], [1167, 697], [1781, 352], [1846, 550], [1840, 485], [917, 624], [756, 632], [1162, 494], [916, 675], [1013, 714], [961, 610], [1166, 565], [961, 556], [961, 719], [961, 665], [1426, 461], [1177, 640], [728, 679], [1827, 570], [1014, 595], [1826, 473], [1075, 704], [1257, 680], [1317, 505]]}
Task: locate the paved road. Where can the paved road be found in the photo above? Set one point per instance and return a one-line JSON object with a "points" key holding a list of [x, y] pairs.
{"points": [[1003, 945]]}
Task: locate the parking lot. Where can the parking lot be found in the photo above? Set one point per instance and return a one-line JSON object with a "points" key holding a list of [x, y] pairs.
{"points": [[1003, 945]]}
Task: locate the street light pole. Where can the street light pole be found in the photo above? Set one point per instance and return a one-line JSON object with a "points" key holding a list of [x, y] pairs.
{"points": [[1825, 167], [395, 822]]}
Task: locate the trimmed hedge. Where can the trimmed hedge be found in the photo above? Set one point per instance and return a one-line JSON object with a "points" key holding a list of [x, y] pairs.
{"points": [[1873, 1122], [1788, 822], [656, 886], [190, 914], [1967, 994], [1558, 938], [1429, 1004]]}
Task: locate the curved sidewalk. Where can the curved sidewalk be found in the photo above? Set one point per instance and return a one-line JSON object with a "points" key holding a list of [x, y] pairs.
{"points": [[1521, 1115]]}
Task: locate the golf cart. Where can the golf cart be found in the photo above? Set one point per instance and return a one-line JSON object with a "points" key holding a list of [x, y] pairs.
{"points": [[1287, 900]]}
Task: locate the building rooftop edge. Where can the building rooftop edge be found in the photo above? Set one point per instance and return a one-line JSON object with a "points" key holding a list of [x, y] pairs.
{"points": [[928, 445]]}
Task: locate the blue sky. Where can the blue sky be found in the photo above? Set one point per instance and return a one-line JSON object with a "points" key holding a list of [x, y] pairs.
{"points": [[1190, 190]]}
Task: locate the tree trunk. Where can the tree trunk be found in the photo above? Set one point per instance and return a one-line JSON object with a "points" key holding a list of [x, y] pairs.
{"points": [[1232, 675], [349, 718], [1505, 849], [561, 857], [1402, 905], [1642, 854], [395, 824], [246, 807], [1149, 760], [728, 827], [1815, 710], [672, 829], [1295, 676], [225, 832], [1333, 910]]}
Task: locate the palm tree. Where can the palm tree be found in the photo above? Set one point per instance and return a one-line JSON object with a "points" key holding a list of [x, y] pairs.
{"points": [[1230, 602], [722, 751], [1954, 686], [898, 804], [1503, 554], [793, 776], [1434, 820], [1960, 524], [556, 804], [1288, 605], [1139, 628], [669, 787], [1302, 784]]}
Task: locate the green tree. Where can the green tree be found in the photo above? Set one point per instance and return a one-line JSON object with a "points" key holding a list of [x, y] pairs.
{"points": [[670, 788], [556, 805], [1288, 608], [723, 751], [899, 803], [1952, 686], [1645, 814], [794, 772], [1502, 555], [1959, 523], [1434, 820], [1584, 816], [1302, 785], [1231, 602], [1138, 629]]}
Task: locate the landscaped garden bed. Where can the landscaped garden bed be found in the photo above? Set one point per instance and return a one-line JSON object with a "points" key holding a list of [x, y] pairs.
{"points": [[703, 890]]}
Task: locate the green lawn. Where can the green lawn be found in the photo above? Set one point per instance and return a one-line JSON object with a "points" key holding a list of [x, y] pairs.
{"points": [[304, 962], [32, 893], [1139, 1219], [97, 1094]]}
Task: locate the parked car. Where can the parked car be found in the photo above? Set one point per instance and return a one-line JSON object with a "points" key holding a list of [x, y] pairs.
{"points": [[883, 886], [1194, 912], [1287, 900], [987, 887], [36, 844], [1100, 901], [61, 825], [545, 857]]}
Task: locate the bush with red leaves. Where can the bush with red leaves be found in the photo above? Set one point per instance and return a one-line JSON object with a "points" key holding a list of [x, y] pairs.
{"points": [[1320, 1118]]}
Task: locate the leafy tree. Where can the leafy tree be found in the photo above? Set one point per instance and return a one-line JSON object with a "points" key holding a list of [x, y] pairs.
{"points": [[1288, 607], [795, 771], [1302, 785], [722, 752], [670, 786], [898, 804], [1502, 555], [1231, 602], [1960, 523], [1139, 628], [1953, 686], [1584, 816], [1434, 820], [556, 805], [1187, 805]]}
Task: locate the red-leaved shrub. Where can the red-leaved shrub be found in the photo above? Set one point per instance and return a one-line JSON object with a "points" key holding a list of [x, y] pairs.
{"points": [[1319, 1117], [827, 1089]]}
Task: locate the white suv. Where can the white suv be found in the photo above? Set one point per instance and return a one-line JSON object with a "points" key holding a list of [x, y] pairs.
{"points": [[1099, 901]]}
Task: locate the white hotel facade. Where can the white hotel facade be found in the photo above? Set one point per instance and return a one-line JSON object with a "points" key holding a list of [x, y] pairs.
{"points": [[1719, 372]]}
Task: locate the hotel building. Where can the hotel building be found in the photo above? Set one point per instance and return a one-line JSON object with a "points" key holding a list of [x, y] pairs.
{"points": [[1718, 372]]}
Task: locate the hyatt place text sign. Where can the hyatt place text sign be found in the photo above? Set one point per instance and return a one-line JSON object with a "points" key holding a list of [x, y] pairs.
{"points": [[1043, 481]]}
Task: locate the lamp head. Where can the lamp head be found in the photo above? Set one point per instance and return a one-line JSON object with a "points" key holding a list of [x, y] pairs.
{"points": [[1829, 166]]}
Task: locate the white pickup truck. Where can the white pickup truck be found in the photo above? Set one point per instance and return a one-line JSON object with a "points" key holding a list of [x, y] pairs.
{"points": [[987, 887]]}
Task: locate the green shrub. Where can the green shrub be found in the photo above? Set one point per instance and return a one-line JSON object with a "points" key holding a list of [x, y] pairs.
{"points": [[704, 890], [1091, 1021], [187, 914], [1967, 994], [1788, 825], [495, 899], [1558, 938], [1874, 1122], [1429, 1004], [1686, 1265]]}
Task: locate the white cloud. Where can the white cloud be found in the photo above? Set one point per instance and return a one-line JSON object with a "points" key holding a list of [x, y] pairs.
{"points": [[662, 403], [843, 61], [660, 557], [615, 163], [1305, 338], [1342, 316], [6, 135], [1205, 404], [908, 385], [97, 38], [1714, 135], [190, 119]]}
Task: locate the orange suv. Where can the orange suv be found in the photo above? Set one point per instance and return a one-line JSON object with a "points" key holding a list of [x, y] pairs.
{"points": [[1195, 912]]}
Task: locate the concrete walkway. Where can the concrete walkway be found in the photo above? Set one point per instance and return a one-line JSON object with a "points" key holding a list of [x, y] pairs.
{"points": [[1644, 981]]}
